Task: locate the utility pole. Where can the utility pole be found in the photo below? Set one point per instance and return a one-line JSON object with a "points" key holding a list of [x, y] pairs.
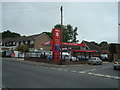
{"points": [[61, 39], [118, 33]]}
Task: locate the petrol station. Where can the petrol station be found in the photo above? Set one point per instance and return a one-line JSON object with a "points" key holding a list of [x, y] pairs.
{"points": [[57, 45]]}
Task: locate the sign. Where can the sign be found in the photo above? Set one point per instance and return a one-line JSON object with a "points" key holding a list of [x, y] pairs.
{"points": [[56, 44], [72, 44]]}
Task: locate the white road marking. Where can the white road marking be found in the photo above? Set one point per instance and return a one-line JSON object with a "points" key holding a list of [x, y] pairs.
{"points": [[73, 71], [52, 68], [82, 72], [59, 69], [65, 70], [90, 73], [107, 76], [88, 70], [115, 77], [106, 67], [101, 75], [93, 69]]}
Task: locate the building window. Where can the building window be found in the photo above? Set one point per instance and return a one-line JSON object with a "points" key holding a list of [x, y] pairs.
{"points": [[32, 42], [17, 43], [0, 43], [26, 42], [10, 43], [7, 44], [14, 43], [21, 42]]}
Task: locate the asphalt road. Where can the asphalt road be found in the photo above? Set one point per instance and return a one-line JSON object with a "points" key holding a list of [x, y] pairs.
{"points": [[26, 74]]}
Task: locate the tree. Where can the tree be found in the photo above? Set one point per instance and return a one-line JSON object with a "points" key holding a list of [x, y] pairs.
{"points": [[94, 43], [112, 49], [68, 33], [22, 48], [103, 43], [8, 33], [74, 35], [49, 34], [0, 35]]}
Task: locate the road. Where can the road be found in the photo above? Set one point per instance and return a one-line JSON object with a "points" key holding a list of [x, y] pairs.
{"points": [[27, 74]]}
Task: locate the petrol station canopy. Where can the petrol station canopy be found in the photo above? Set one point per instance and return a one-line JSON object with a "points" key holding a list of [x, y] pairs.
{"points": [[64, 44]]}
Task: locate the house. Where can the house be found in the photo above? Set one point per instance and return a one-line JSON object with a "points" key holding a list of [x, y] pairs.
{"points": [[93, 47], [0, 39], [33, 41], [106, 50]]}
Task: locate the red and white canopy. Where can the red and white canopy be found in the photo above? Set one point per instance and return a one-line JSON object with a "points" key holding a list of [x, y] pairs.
{"points": [[47, 43], [89, 51], [70, 44], [63, 44]]}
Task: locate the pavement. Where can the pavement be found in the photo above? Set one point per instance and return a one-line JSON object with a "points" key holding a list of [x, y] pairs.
{"points": [[43, 75]]}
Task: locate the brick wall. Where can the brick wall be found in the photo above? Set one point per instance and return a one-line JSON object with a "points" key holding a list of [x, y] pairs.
{"points": [[106, 50], [115, 57], [42, 39]]}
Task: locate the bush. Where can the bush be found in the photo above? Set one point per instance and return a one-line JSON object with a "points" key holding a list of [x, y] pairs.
{"points": [[22, 48]]}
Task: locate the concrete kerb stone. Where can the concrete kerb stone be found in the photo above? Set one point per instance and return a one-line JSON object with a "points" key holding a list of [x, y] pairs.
{"points": [[41, 63]]}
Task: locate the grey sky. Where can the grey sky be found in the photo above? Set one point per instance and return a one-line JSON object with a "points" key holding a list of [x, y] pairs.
{"points": [[96, 21]]}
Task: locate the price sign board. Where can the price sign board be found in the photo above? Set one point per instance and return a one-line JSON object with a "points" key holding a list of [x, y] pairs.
{"points": [[56, 44]]}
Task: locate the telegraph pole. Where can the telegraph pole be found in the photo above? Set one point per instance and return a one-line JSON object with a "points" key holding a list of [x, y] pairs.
{"points": [[118, 33], [61, 39]]}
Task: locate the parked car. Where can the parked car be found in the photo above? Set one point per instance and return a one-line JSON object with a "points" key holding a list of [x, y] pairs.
{"points": [[7, 53], [49, 57], [95, 60], [82, 58], [70, 58], [65, 58], [74, 58], [116, 64]]}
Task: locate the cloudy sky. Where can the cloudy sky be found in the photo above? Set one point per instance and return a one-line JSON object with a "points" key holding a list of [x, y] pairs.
{"points": [[96, 21]]}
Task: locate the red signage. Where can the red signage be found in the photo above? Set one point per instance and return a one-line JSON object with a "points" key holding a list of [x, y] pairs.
{"points": [[73, 44], [56, 44], [47, 43], [84, 51]]}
